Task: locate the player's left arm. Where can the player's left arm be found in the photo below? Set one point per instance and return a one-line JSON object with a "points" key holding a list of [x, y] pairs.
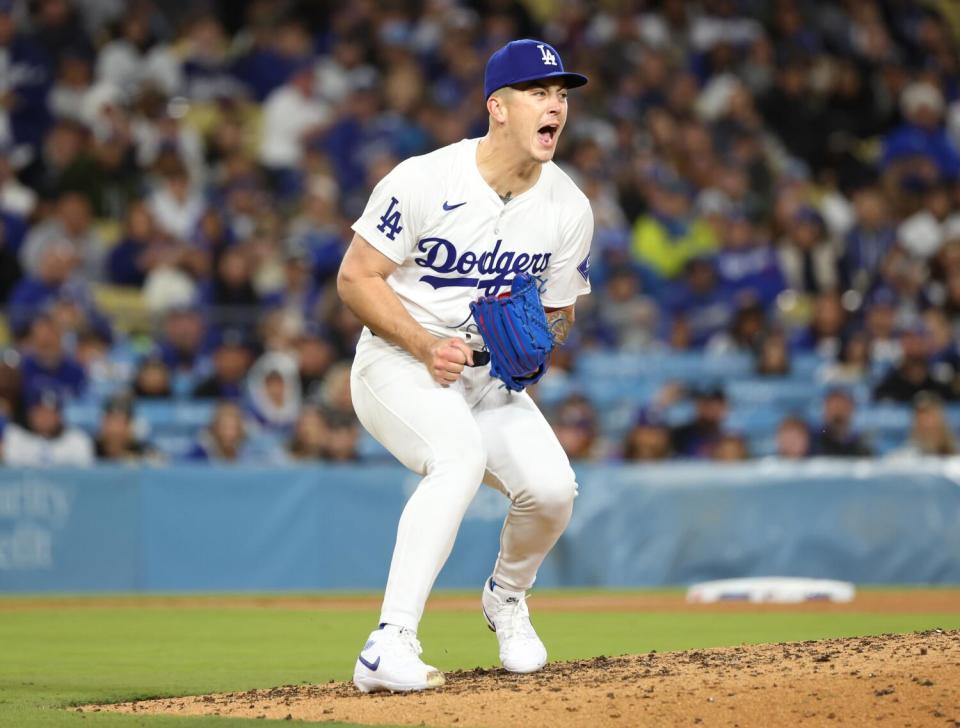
{"points": [[560, 321]]}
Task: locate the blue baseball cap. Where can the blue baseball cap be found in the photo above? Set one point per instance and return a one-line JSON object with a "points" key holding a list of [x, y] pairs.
{"points": [[526, 60]]}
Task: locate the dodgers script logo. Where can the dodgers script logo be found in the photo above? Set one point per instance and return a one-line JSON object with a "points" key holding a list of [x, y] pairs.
{"points": [[495, 268]]}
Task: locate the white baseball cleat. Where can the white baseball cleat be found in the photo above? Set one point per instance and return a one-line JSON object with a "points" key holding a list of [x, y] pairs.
{"points": [[390, 660], [507, 614]]}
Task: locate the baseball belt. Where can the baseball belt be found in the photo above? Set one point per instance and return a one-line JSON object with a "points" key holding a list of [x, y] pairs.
{"points": [[480, 358]]}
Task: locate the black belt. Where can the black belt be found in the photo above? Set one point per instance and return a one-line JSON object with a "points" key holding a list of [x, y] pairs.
{"points": [[480, 358]]}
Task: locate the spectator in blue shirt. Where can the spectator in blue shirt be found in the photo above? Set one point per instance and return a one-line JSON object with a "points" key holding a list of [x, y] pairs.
{"points": [[55, 268], [277, 52], [868, 242], [300, 293], [183, 346], [700, 301], [30, 70], [746, 264], [135, 255], [922, 133], [231, 359], [13, 228], [45, 364]]}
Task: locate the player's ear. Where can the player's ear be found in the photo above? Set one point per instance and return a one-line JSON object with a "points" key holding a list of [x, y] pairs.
{"points": [[497, 107]]}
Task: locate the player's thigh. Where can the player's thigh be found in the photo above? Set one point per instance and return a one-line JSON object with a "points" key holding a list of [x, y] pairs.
{"points": [[416, 419], [524, 455]]}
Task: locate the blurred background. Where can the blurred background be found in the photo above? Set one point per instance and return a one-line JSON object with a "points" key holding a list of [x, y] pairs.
{"points": [[775, 269]]}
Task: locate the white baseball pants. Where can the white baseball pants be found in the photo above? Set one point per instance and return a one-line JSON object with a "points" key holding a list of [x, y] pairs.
{"points": [[458, 436]]}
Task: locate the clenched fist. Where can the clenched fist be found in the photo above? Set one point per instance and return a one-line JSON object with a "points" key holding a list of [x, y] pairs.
{"points": [[446, 358]]}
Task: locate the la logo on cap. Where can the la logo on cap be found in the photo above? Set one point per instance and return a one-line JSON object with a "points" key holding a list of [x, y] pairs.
{"points": [[549, 59]]}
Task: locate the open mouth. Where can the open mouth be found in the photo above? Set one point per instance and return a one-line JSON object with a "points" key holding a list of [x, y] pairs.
{"points": [[547, 133]]}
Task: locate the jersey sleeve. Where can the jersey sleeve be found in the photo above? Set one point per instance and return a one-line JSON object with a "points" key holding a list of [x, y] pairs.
{"points": [[392, 218], [568, 275]]}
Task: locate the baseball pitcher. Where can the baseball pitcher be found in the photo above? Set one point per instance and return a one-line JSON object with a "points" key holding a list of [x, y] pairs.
{"points": [[465, 268]]}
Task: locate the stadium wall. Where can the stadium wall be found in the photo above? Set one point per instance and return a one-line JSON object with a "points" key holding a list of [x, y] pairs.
{"points": [[202, 528]]}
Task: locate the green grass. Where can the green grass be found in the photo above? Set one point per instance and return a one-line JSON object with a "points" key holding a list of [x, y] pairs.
{"points": [[50, 658]]}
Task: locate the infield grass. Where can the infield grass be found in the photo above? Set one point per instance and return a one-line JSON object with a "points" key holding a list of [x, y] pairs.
{"points": [[79, 652]]}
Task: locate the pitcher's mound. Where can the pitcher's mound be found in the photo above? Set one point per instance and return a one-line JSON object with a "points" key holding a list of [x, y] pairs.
{"points": [[891, 680]]}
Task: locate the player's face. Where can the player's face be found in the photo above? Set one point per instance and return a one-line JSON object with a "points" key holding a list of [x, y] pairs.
{"points": [[538, 112]]}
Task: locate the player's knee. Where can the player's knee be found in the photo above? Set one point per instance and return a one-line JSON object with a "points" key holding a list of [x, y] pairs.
{"points": [[558, 502], [553, 496]]}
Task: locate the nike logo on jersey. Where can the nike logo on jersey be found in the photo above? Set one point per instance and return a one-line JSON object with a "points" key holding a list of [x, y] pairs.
{"points": [[372, 666], [496, 267], [447, 206]]}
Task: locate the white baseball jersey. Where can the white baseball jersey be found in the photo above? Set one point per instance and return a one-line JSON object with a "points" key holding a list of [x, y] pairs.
{"points": [[21, 447], [454, 240]]}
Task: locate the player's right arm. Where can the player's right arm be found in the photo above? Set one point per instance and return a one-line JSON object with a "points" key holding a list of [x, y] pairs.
{"points": [[362, 285]]}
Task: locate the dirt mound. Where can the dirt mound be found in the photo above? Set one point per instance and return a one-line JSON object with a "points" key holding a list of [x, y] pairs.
{"points": [[894, 680]]}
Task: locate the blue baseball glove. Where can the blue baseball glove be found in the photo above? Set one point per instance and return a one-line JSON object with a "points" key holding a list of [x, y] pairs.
{"points": [[516, 333]]}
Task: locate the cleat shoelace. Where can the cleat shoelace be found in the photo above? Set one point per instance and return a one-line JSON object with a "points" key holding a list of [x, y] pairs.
{"points": [[409, 640], [513, 620]]}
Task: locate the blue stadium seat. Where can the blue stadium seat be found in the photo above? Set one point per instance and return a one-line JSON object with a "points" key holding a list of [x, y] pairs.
{"points": [[953, 417], [604, 392], [175, 447], [616, 419], [554, 388], [684, 366], [755, 422], [763, 445], [805, 366], [84, 414], [883, 417], [163, 417], [779, 392], [886, 425]]}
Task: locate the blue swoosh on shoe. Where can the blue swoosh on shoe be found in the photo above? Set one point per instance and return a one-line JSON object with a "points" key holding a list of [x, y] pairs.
{"points": [[372, 666]]}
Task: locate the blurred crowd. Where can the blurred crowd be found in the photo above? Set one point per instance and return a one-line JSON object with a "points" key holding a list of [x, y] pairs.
{"points": [[178, 180]]}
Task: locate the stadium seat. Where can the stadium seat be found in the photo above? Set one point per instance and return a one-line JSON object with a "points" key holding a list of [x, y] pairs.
{"points": [[778, 392], [689, 367]]}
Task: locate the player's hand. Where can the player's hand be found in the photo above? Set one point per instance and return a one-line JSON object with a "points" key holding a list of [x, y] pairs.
{"points": [[446, 359]]}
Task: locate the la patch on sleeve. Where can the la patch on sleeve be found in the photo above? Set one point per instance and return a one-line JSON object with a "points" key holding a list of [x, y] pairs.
{"points": [[390, 221]]}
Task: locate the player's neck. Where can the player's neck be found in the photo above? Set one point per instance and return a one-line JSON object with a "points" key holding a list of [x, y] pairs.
{"points": [[506, 172]]}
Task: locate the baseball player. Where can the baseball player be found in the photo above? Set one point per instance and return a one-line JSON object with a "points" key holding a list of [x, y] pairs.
{"points": [[439, 232]]}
